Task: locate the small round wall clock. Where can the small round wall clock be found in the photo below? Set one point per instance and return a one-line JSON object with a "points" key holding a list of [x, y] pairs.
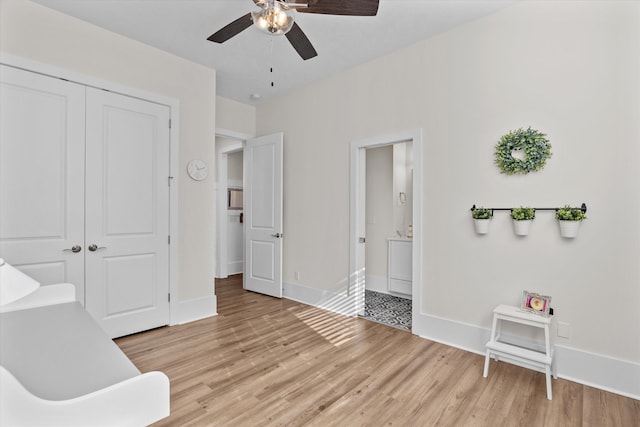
{"points": [[197, 169]]}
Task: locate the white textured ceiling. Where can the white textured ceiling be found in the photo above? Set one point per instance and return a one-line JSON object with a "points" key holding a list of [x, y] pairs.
{"points": [[243, 63]]}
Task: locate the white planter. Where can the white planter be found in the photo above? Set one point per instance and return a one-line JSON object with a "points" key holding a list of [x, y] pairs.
{"points": [[482, 225], [569, 229], [521, 227]]}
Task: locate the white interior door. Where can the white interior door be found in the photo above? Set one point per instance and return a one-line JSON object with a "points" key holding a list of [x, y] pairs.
{"points": [[42, 177], [263, 215], [127, 218]]}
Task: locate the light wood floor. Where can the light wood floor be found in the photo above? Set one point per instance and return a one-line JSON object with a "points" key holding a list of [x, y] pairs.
{"points": [[268, 362]]}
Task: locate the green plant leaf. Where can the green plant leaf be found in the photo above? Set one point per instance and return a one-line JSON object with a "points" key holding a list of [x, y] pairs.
{"points": [[533, 143]]}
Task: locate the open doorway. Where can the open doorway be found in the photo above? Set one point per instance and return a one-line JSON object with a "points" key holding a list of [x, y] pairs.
{"points": [[252, 210], [229, 210], [389, 234], [235, 213], [395, 240]]}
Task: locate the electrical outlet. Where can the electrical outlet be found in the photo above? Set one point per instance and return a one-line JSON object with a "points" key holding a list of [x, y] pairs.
{"points": [[296, 275], [564, 330]]}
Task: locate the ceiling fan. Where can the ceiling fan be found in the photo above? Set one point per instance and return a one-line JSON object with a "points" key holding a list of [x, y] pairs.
{"points": [[275, 17]]}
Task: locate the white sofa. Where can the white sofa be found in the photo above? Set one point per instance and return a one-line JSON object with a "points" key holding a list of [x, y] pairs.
{"points": [[59, 368]]}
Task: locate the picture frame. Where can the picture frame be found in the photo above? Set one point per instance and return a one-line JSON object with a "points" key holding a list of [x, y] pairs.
{"points": [[234, 199], [536, 303]]}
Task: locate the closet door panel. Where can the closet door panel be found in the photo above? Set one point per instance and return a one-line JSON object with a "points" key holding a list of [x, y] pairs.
{"points": [[127, 207], [42, 176]]}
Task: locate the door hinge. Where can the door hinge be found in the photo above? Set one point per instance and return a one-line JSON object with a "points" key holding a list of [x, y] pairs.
{"points": [[169, 123], [169, 178], [168, 297], [169, 240]]}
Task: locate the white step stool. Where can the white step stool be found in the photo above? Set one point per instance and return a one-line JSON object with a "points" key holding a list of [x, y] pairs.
{"points": [[529, 357]]}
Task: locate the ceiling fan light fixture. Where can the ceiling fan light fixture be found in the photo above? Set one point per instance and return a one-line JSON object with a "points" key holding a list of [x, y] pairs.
{"points": [[272, 20]]}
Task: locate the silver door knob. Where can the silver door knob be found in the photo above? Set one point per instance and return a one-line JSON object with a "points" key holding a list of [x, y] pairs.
{"points": [[93, 247], [75, 249], [277, 235]]}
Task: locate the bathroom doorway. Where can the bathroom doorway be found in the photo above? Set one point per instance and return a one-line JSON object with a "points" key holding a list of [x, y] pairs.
{"points": [[385, 226], [389, 234]]}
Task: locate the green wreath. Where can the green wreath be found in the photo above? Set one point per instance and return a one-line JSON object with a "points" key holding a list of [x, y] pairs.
{"points": [[532, 143]]}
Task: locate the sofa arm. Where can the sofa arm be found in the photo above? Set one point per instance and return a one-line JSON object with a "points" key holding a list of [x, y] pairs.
{"points": [[138, 401], [44, 295]]}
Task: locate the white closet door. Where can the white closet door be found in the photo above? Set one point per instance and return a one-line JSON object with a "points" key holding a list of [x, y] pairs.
{"points": [[42, 176], [127, 217]]}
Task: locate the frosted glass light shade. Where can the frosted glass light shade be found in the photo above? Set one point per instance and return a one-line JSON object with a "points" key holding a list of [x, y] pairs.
{"points": [[273, 20], [14, 284]]}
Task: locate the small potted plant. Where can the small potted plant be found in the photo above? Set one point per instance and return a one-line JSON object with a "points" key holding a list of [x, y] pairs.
{"points": [[522, 219], [481, 219], [569, 219]]}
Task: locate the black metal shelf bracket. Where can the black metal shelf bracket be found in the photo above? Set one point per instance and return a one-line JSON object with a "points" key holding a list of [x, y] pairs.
{"points": [[583, 208]]}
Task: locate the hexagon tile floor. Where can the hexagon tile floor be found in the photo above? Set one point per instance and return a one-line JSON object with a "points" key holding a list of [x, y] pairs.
{"points": [[387, 309]]}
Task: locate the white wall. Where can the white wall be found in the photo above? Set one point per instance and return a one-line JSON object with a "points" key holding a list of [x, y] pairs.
{"points": [[234, 167], [236, 117], [34, 32], [570, 69]]}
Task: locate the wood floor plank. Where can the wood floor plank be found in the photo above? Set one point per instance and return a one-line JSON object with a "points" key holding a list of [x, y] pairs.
{"points": [[567, 406], [628, 409], [264, 361], [503, 386]]}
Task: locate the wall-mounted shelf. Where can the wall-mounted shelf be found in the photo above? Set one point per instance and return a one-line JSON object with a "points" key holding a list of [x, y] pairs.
{"points": [[583, 208]]}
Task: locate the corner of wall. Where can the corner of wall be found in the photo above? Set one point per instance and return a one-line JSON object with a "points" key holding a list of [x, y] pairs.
{"points": [[236, 116], [340, 303], [193, 309]]}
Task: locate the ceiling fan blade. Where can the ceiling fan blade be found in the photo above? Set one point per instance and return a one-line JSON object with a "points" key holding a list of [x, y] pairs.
{"points": [[340, 7], [300, 42], [236, 27]]}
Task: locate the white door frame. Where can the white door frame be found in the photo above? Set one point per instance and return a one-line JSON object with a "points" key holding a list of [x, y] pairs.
{"points": [[221, 197], [357, 209], [172, 103]]}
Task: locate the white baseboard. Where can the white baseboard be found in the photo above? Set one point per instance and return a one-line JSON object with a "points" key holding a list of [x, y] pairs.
{"points": [[594, 370], [455, 334], [235, 267], [336, 302], [193, 309], [381, 284], [376, 283]]}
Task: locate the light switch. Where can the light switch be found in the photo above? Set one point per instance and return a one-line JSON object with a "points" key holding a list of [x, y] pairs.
{"points": [[564, 330]]}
